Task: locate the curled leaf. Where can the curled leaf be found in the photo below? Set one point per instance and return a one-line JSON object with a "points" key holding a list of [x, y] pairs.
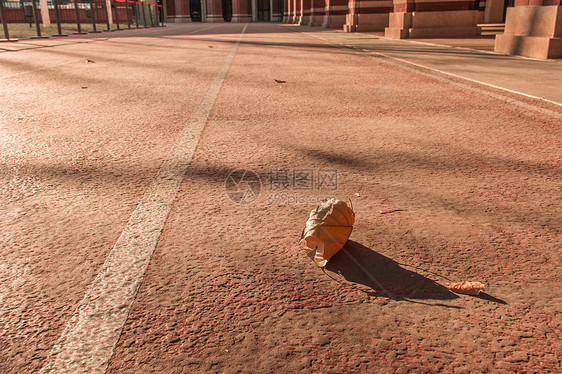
{"points": [[467, 288], [327, 229]]}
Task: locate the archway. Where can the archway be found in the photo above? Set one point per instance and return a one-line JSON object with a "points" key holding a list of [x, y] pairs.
{"points": [[264, 11], [195, 10], [227, 10]]}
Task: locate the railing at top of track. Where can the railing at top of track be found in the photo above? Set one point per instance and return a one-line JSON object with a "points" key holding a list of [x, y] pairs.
{"points": [[23, 19]]}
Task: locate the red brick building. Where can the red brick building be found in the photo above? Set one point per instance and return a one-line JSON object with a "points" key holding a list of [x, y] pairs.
{"points": [[532, 27], [224, 10]]}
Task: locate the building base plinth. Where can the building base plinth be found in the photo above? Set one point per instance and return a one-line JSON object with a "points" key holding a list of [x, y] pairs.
{"points": [[440, 24], [316, 20], [333, 21], [532, 31], [366, 22], [242, 18], [529, 46], [178, 19]]}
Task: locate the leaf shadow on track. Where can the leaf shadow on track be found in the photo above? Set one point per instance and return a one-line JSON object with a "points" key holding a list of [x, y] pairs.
{"points": [[485, 296], [382, 276], [363, 266]]}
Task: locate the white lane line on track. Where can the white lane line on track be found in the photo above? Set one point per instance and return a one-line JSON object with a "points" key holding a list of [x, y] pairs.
{"points": [[88, 341], [479, 90], [367, 52], [472, 80]]}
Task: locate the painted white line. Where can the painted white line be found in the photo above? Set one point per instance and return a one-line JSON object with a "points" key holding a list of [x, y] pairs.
{"points": [[359, 51], [479, 90], [88, 341], [457, 47], [474, 80]]}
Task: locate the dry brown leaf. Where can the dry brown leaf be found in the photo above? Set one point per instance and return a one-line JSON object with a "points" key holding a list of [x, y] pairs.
{"points": [[327, 229], [467, 288]]}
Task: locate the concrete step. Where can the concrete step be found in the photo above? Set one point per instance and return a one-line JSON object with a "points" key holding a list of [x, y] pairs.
{"points": [[492, 28]]}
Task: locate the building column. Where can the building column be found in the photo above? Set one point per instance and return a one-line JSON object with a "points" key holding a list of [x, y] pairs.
{"points": [[304, 19], [241, 11], [109, 12], [214, 11], [317, 12], [433, 19], [335, 13], [254, 4], [286, 11], [276, 11], [293, 14], [45, 17], [367, 15], [178, 11], [298, 11], [533, 28], [494, 11]]}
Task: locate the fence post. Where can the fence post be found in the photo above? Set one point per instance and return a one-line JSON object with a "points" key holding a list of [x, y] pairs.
{"points": [[136, 9], [150, 14], [143, 15], [57, 17], [36, 18], [116, 14], [4, 22], [127, 13], [77, 13], [93, 14], [104, 6]]}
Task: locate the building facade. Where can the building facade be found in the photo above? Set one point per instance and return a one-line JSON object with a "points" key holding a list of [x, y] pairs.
{"points": [[533, 28], [224, 10]]}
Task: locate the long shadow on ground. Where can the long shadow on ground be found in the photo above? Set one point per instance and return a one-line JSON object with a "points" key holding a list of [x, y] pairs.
{"points": [[383, 276]]}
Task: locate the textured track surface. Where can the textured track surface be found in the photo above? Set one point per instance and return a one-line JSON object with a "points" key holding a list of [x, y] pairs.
{"points": [[474, 171]]}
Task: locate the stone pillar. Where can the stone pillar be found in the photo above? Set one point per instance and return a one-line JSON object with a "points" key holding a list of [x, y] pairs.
{"points": [[295, 11], [203, 10], [335, 13], [494, 11], [109, 11], [214, 11], [177, 11], [241, 11], [254, 5], [298, 11], [367, 15], [304, 19], [317, 12], [285, 11], [276, 10], [432, 19], [45, 17], [533, 28]]}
